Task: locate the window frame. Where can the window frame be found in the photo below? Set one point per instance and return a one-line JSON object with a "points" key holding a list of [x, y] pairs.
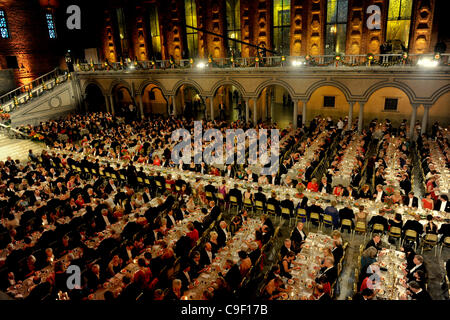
{"points": [[334, 102], [337, 25], [52, 16], [390, 98], [281, 26], [6, 27]]}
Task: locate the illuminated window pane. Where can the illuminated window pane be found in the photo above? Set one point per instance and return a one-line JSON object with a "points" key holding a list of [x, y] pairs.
{"points": [[233, 17], [154, 29], [4, 33], [121, 22], [51, 26], [336, 27], [399, 22], [190, 10], [281, 25]]}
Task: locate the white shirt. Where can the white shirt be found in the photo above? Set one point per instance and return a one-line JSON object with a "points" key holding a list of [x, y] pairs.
{"points": [[415, 268], [443, 206], [209, 253], [129, 254], [106, 220], [410, 202], [172, 219], [187, 276], [379, 195], [226, 234], [324, 189]]}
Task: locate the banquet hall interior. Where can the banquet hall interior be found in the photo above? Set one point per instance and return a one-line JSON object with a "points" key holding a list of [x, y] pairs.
{"points": [[349, 99]]}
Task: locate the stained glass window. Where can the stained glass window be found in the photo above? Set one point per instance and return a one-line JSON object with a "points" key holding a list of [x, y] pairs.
{"points": [[281, 25], [336, 27], [399, 21], [51, 26], [4, 33], [233, 17], [190, 9]]}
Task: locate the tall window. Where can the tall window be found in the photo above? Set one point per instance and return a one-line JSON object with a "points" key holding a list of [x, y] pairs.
{"points": [[51, 26], [121, 22], [154, 30], [234, 24], [4, 33], [190, 10], [336, 27], [281, 25], [399, 22]]}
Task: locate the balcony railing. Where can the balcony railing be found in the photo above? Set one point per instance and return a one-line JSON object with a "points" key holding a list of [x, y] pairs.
{"points": [[337, 61], [34, 89]]}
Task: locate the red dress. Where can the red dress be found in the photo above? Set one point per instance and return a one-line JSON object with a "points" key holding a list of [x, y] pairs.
{"points": [[426, 204], [193, 235], [313, 187]]}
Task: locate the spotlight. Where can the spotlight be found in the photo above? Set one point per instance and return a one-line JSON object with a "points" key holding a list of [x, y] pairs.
{"points": [[427, 62], [201, 65], [297, 63]]}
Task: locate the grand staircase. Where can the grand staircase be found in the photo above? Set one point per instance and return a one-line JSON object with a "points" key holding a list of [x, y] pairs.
{"points": [[17, 149]]}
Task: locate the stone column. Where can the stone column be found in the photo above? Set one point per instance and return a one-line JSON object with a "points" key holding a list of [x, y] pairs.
{"points": [[211, 104], [174, 106], [255, 115], [247, 111], [111, 104], [361, 116], [426, 110], [108, 109], [412, 124], [305, 102], [350, 115], [141, 105], [295, 115]]}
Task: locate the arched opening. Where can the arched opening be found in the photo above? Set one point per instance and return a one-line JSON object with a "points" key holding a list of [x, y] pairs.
{"points": [[440, 111], [122, 99], [388, 103], [327, 101], [275, 104], [153, 100], [189, 103], [95, 100], [234, 105]]}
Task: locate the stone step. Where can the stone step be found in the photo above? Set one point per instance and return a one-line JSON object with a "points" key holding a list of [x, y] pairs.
{"points": [[18, 148]]}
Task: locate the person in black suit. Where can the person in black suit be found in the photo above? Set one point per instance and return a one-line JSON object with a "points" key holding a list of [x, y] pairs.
{"points": [[110, 186], [286, 247], [366, 294], [418, 265], [222, 234], [328, 270], [298, 236], [379, 195], [303, 202], [413, 225], [325, 187], [314, 208], [346, 213], [184, 275], [411, 201], [287, 203], [93, 278], [308, 171], [235, 192], [206, 255], [233, 275], [274, 201], [445, 231], [375, 242], [442, 204], [250, 176], [337, 251], [260, 196], [418, 293], [255, 252], [379, 219], [229, 172]]}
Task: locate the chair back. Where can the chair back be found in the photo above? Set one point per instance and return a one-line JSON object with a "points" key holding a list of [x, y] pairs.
{"points": [[314, 216], [220, 196], [285, 211], [247, 201], [270, 207], [378, 227], [360, 226], [431, 238], [410, 234], [327, 219], [301, 213], [346, 223], [233, 199], [395, 232], [259, 204], [139, 179], [208, 194]]}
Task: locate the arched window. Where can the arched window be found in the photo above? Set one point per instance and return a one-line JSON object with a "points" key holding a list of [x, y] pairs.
{"points": [[233, 17], [190, 10], [50, 25], [399, 22], [336, 26], [281, 25], [154, 30], [4, 33]]}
